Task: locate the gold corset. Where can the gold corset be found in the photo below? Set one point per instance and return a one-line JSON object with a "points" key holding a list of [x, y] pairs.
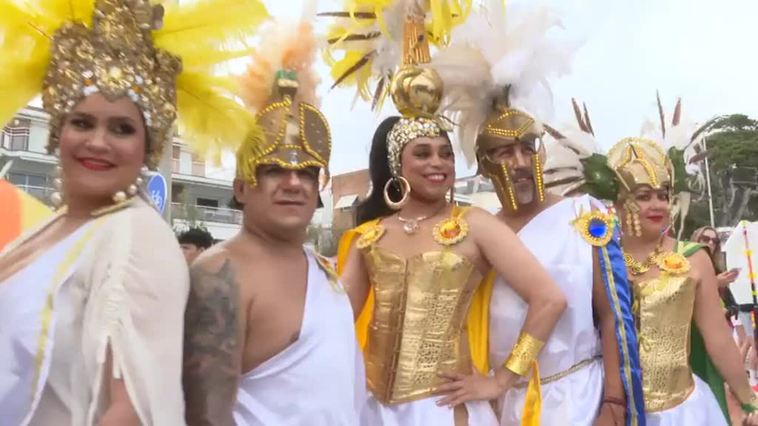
{"points": [[417, 327], [665, 305]]}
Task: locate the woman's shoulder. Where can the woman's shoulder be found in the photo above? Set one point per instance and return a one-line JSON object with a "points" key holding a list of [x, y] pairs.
{"points": [[145, 238]]}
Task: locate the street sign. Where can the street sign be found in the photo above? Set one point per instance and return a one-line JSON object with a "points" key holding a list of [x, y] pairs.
{"points": [[158, 191]]}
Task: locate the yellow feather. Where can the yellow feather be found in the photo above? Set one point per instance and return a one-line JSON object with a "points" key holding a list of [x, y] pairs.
{"points": [[209, 118], [213, 57], [24, 57], [360, 77], [67, 10], [19, 85], [215, 22]]}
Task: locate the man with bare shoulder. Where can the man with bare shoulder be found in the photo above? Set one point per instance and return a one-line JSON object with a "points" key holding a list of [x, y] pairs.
{"points": [[269, 334]]}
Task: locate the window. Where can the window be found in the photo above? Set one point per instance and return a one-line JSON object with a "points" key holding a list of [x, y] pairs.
{"points": [[206, 202], [198, 166], [35, 185], [16, 135], [176, 156]]}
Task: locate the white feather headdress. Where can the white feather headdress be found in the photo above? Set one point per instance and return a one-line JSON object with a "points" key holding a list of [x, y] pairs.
{"points": [[495, 51]]}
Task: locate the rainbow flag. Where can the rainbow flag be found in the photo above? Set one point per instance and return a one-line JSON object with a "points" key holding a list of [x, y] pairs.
{"points": [[20, 212]]}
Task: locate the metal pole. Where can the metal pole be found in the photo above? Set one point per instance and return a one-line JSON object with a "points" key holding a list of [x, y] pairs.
{"points": [[708, 184]]}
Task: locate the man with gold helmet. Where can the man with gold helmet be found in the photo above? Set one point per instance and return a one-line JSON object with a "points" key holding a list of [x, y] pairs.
{"points": [[588, 367], [269, 338]]}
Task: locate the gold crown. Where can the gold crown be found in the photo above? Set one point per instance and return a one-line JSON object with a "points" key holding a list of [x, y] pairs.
{"points": [[416, 92], [289, 134], [124, 48], [116, 58], [639, 161]]}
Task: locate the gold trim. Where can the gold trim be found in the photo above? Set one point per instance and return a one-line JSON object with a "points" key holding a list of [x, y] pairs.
{"points": [[47, 310], [558, 376]]}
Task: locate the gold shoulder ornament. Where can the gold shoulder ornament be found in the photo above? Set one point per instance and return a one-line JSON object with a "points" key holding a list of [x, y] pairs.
{"points": [[595, 227], [371, 235]]}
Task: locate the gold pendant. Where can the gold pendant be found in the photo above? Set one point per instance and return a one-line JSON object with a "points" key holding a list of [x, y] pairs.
{"points": [[410, 226]]}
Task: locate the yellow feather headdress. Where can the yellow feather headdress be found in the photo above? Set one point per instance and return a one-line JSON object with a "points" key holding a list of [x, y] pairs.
{"points": [[279, 86], [68, 49], [368, 33]]}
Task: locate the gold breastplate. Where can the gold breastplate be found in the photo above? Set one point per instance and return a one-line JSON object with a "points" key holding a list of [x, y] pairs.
{"points": [[420, 307], [664, 308]]}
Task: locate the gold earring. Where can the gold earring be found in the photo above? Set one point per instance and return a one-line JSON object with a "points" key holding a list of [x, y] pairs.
{"points": [[405, 190], [637, 226]]}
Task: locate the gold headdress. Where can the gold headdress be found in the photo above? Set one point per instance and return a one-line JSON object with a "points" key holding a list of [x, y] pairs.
{"points": [[126, 48], [369, 32], [280, 87], [366, 33], [640, 161], [494, 71], [662, 159]]}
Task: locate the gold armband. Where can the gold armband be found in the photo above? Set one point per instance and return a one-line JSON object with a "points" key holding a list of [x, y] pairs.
{"points": [[524, 352]]}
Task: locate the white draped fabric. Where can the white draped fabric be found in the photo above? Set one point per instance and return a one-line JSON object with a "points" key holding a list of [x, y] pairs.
{"points": [[117, 284], [424, 412], [319, 379], [567, 257], [700, 408]]}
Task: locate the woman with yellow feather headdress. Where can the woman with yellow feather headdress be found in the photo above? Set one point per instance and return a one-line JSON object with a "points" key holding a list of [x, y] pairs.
{"points": [[92, 301], [684, 347], [414, 264]]}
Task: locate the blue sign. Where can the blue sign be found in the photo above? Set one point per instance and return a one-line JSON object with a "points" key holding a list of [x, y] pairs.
{"points": [[158, 190]]}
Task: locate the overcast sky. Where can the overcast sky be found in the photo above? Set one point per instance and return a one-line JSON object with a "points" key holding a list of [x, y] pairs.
{"points": [[703, 51]]}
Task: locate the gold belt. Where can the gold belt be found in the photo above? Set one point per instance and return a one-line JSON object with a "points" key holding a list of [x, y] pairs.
{"points": [[557, 376]]}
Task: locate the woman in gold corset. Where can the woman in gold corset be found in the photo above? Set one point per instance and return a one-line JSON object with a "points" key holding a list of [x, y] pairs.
{"points": [[675, 292], [412, 269]]}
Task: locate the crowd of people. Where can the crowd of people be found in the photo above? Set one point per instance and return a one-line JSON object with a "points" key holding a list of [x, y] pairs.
{"points": [[576, 304]]}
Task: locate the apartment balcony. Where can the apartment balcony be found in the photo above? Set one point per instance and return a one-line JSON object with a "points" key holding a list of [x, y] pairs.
{"points": [[194, 213]]}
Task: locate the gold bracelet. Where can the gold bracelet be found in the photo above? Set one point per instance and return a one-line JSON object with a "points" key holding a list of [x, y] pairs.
{"points": [[523, 353]]}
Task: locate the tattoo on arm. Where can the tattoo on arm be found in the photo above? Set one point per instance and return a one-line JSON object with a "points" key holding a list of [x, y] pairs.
{"points": [[212, 347]]}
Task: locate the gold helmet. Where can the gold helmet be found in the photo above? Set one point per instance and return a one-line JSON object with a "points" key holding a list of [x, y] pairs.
{"points": [[280, 87], [495, 76], [507, 126], [639, 161]]}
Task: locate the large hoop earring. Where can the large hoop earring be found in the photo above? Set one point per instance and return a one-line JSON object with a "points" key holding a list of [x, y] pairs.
{"points": [[405, 189]]}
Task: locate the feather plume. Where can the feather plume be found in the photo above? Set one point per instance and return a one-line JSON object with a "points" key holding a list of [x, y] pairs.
{"points": [[677, 112], [365, 39], [493, 50], [587, 120], [209, 120], [578, 116], [660, 113], [282, 47], [26, 29], [207, 25]]}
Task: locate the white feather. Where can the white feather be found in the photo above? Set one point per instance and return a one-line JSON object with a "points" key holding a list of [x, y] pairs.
{"points": [[494, 49]]}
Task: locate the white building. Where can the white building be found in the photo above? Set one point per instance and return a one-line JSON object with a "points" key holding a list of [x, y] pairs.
{"points": [[201, 192]]}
